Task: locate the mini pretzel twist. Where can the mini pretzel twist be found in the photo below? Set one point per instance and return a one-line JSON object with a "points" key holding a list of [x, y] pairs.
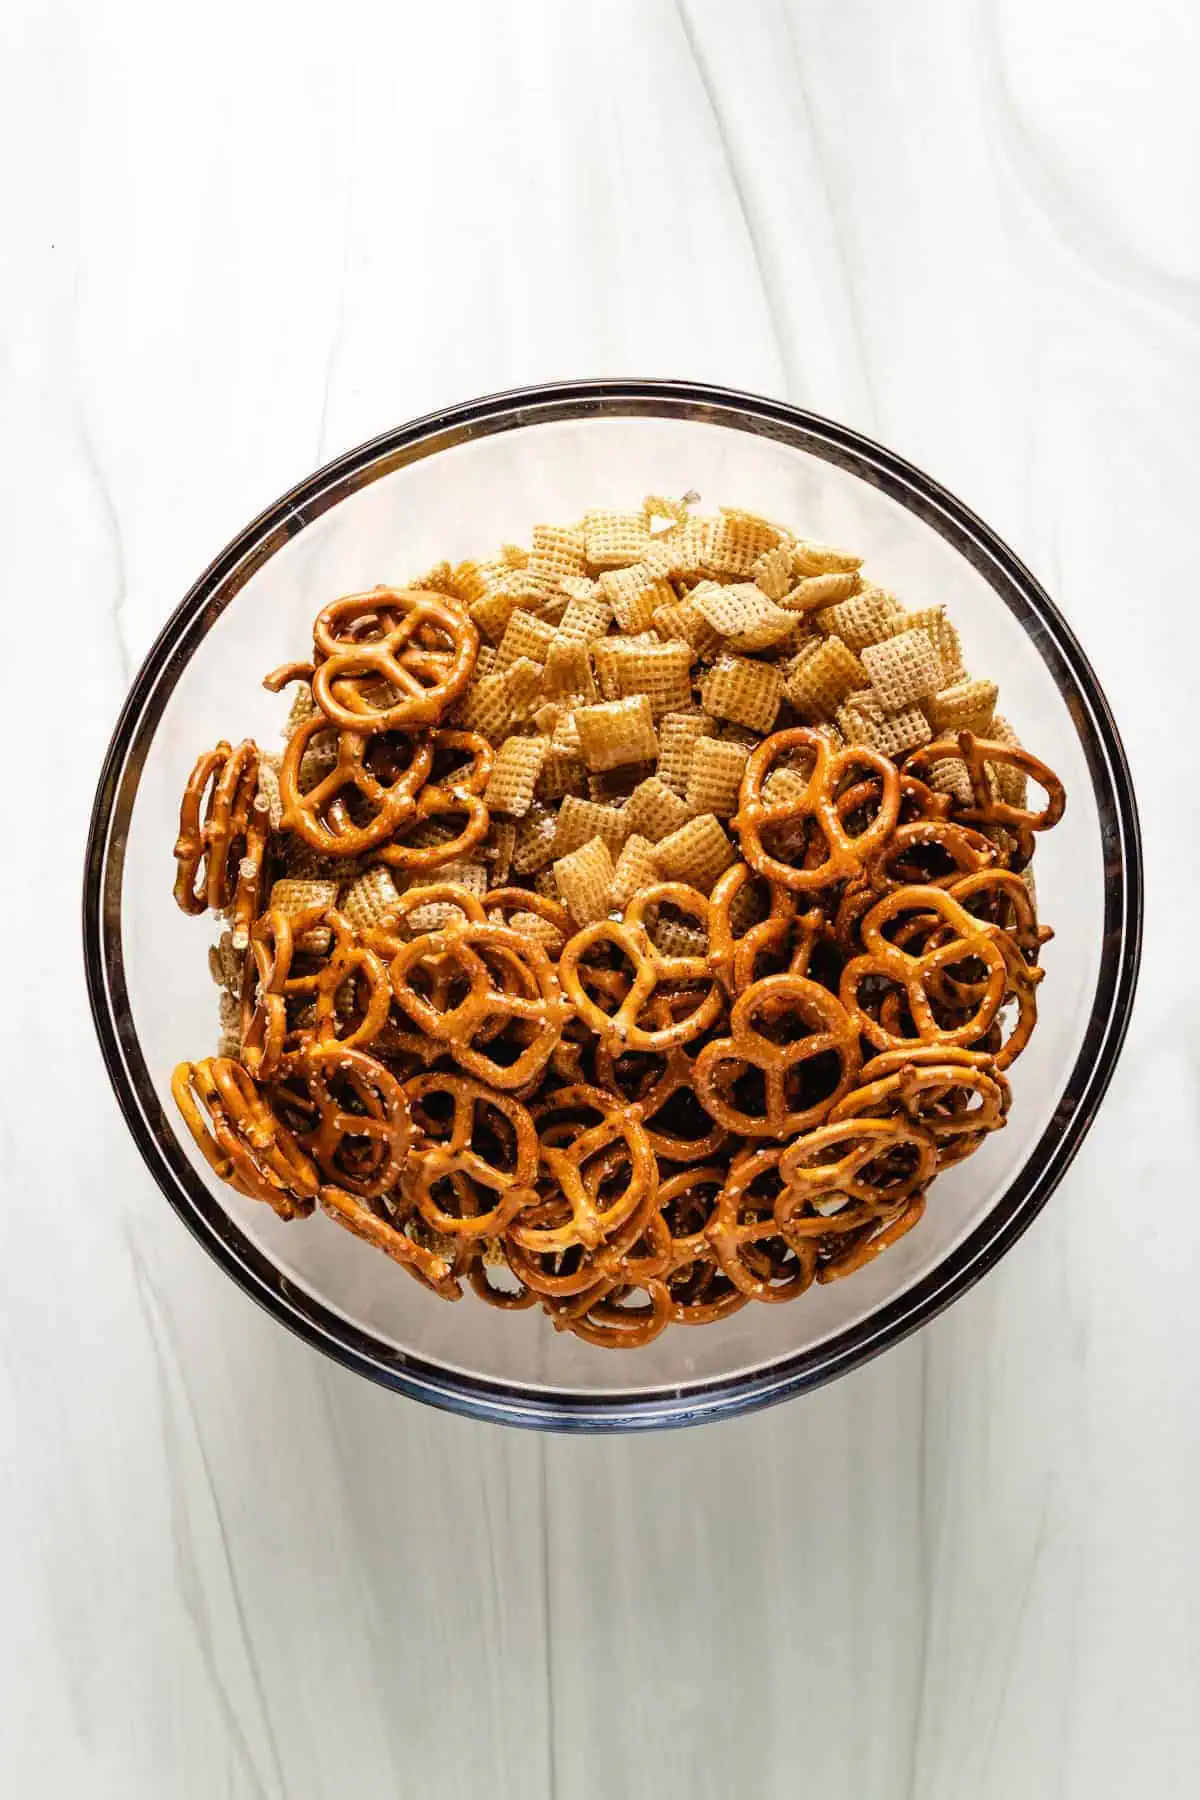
{"points": [[409, 638], [517, 985], [320, 815], [987, 808], [882, 957], [653, 970], [839, 853], [879, 1164], [957, 1096], [487, 1196], [745, 1237], [826, 1027], [215, 814], [354, 1116], [588, 1223], [240, 1137]]}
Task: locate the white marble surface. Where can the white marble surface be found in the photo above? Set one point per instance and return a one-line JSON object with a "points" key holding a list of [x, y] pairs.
{"points": [[238, 238]]}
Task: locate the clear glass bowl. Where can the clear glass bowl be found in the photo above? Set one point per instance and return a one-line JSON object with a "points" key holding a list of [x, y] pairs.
{"points": [[457, 484]]}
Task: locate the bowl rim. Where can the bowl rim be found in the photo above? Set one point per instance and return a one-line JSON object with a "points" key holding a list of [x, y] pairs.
{"points": [[720, 1396]]}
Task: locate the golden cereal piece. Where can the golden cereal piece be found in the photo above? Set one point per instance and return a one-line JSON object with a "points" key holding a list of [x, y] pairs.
{"points": [[742, 615], [677, 735], [636, 868], [823, 559], [558, 551], [716, 776], [369, 897], [654, 811], [584, 881], [614, 540], [965, 706], [864, 619], [615, 732], [514, 775], [697, 853], [633, 594], [746, 692], [903, 669], [524, 636], [581, 820]]}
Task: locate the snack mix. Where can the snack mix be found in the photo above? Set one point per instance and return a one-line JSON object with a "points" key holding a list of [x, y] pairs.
{"points": [[632, 925]]}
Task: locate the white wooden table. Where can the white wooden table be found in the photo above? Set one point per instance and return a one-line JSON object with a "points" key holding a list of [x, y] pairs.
{"points": [[239, 238]]}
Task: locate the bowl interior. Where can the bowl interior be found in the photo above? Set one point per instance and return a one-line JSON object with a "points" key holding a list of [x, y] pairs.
{"points": [[461, 498]]}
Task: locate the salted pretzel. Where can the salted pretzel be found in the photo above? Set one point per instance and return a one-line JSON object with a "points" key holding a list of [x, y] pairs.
{"points": [[657, 1081], [882, 958], [438, 804], [743, 1233], [775, 1001], [504, 901], [215, 814], [586, 1221], [240, 1137], [653, 971], [351, 1115], [957, 1096], [839, 853], [321, 814], [353, 1213], [446, 1151], [870, 1240], [600, 1318], [701, 1292], [535, 1004], [876, 1163], [408, 638], [734, 958], [987, 808]]}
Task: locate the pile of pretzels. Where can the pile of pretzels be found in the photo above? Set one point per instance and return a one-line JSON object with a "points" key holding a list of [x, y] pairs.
{"points": [[703, 1101]]}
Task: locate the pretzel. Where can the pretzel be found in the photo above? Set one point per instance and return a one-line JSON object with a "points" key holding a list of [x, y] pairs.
{"points": [[241, 1139], [742, 1231], [653, 1080], [601, 1319], [508, 900], [212, 838], [379, 636], [734, 958], [913, 974], [353, 1214], [440, 803], [817, 806], [864, 1245], [987, 807], [487, 1196], [466, 946], [724, 1060], [320, 816], [652, 971], [587, 1223], [362, 1151], [836, 1162], [957, 1096]]}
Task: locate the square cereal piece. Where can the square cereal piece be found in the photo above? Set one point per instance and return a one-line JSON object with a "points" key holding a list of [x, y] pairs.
{"points": [[636, 868], [903, 669], [818, 685], [697, 853], [859, 718], [662, 672], [583, 621], [715, 777], [653, 810], [966, 706], [809, 558], [558, 550], [369, 898], [899, 732], [568, 672], [682, 621], [746, 692], [633, 595], [579, 820], [949, 776], [863, 619], [565, 736], [812, 592], [301, 710], [435, 914], [584, 879], [683, 552], [523, 636], [617, 731], [561, 774], [1012, 784], [772, 571], [579, 587], [522, 690], [673, 937], [942, 635], [742, 614], [497, 849], [533, 846], [677, 735], [514, 775], [737, 540], [614, 540]]}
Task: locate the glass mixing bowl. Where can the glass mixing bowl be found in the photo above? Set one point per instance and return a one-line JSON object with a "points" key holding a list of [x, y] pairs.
{"points": [[457, 484]]}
